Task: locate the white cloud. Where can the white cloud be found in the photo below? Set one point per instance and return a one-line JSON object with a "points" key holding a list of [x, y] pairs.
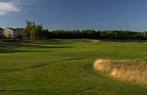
{"points": [[7, 7], [18, 2]]}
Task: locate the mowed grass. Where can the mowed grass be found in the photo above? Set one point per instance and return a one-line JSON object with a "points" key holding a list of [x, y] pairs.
{"points": [[65, 67]]}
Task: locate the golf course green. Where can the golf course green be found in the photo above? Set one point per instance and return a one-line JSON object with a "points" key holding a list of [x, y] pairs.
{"points": [[65, 67]]}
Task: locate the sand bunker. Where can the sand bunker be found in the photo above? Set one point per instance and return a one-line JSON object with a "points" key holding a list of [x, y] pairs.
{"points": [[131, 70]]}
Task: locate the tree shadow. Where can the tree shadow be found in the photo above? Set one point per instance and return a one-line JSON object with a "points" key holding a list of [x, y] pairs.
{"points": [[35, 44], [12, 47], [75, 58], [54, 42], [17, 51], [25, 68], [23, 91], [40, 46]]}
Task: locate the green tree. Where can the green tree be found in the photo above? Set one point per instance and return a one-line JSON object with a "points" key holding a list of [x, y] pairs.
{"points": [[31, 30], [39, 32], [28, 29]]}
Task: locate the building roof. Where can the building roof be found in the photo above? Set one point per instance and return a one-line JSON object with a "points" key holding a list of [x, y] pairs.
{"points": [[10, 28], [15, 28]]}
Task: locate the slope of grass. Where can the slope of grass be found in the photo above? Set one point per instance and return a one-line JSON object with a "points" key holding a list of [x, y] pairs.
{"points": [[64, 67]]}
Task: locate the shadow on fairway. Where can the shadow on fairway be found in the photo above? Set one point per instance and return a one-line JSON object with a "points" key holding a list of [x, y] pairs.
{"points": [[75, 58], [18, 51], [55, 43], [16, 45], [40, 46], [25, 68], [12, 47], [22, 91]]}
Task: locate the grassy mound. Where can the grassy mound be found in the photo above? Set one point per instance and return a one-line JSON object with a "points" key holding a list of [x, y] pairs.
{"points": [[131, 70], [65, 67]]}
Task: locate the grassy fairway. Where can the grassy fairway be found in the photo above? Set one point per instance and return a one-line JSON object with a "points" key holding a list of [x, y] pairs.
{"points": [[64, 68]]}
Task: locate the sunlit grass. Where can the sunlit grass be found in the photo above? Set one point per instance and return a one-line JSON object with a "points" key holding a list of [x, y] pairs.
{"points": [[64, 67]]}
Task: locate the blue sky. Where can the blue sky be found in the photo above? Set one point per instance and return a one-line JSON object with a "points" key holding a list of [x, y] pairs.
{"points": [[76, 14]]}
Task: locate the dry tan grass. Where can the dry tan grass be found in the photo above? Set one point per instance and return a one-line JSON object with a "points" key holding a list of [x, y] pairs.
{"points": [[131, 70]]}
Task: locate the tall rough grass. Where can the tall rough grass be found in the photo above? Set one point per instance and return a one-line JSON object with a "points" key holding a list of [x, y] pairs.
{"points": [[130, 70]]}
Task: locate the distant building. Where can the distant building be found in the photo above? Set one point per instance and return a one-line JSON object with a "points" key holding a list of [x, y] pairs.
{"points": [[10, 33]]}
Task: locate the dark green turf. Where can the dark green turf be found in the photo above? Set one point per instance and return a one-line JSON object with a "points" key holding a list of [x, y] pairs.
{"points": [[64, 67]]}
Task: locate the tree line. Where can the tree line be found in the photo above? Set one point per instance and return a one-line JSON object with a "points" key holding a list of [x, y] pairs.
{"points": [[34, 31], [37, 32]]}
